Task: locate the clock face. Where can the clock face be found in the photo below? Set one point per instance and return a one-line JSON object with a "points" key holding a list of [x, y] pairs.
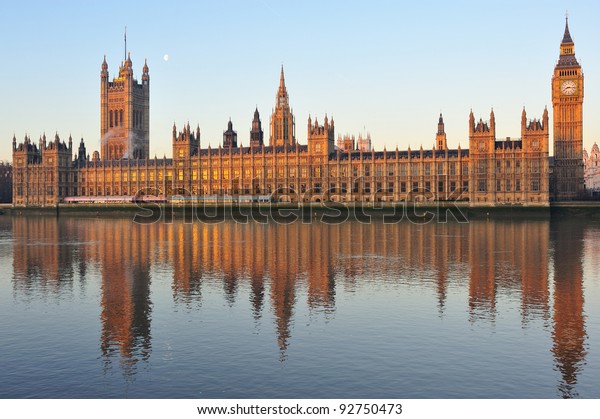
{"points": [[568, 87]]}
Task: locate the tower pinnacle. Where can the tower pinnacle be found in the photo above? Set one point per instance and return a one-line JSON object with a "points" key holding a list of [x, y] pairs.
{"points": [[282, 119], [282, 91], [567, 35]]}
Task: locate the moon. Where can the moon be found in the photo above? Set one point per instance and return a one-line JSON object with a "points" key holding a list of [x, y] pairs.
{"points": [[166, 57]]}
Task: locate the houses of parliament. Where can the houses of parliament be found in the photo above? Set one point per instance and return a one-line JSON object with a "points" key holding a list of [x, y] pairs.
{"points": [[492, 172]]}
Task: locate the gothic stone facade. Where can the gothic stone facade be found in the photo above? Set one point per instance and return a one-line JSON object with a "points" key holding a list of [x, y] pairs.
{"points": [[591, 163], [124, 113], [567, 102], [299, 173], [491, 172]]}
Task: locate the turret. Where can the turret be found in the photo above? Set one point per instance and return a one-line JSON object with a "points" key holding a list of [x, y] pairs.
{"points": [[185, 143], [104, 72], [471, 122], [483, 135], [145, 74], [256, 133], [81, 154], [321, 138], [230, 136], [440, 138]]}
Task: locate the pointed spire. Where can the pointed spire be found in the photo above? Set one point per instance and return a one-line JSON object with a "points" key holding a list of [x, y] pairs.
{"points": [[281, 92], [567, 36]]}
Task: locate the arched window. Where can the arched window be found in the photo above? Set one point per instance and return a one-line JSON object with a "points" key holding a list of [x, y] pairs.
{"points": [[121, 118], [111, 118]]}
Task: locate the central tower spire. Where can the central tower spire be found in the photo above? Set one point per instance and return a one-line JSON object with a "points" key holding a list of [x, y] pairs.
{"points": [[283, 130], [281, 79]]}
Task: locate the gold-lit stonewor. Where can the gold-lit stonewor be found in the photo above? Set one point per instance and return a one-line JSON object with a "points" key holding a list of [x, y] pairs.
{"points": [[491, 172], [567, 103]]}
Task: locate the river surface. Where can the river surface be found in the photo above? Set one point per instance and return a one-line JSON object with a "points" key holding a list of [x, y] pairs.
{"points": [[107, 308]]}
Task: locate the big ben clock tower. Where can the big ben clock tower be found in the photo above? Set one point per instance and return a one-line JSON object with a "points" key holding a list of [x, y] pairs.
{"points": [[567, 103]]}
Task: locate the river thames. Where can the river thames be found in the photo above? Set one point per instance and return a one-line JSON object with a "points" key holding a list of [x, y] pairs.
{"points": [[108, 308]]}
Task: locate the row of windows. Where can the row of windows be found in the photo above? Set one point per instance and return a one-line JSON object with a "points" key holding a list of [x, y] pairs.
{"points": [[482, 185], [305, 171], [215, 174], [568, 72], [115, 118]]}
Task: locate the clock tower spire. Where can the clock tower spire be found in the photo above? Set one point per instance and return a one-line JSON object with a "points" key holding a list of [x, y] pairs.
{"points": [[567, 104]]}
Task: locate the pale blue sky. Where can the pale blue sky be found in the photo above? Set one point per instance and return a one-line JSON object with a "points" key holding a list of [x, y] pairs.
{"points": [[386, 67]]}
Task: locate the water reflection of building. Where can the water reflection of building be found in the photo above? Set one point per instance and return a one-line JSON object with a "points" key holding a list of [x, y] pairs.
{"points": [[46, 249], [125, 300], [569, 333], [508, 257], [43, 253], [283, 268]]}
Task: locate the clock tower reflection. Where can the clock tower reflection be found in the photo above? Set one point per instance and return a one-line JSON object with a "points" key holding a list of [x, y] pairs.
{"points": [[569, 335]]}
